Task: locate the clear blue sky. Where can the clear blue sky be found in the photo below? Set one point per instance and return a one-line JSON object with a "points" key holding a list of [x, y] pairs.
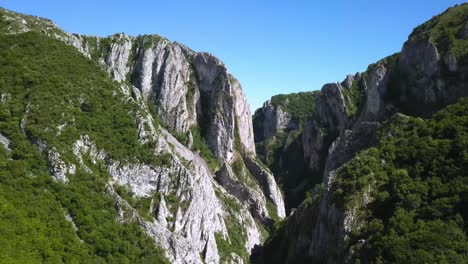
{"points": [[271, 46]]}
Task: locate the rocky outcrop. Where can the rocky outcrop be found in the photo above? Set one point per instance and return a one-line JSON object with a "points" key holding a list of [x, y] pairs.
{"points": [[267, 183], [5, 142], [217, 105], [270, 120], [343, 149], [160, 70], [375, 87], [330, 120], [243, 117], [118, 57], [433, 79], [247, 195]]}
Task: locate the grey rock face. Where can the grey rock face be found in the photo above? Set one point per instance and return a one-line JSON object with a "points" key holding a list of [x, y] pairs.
{"points": [[330, 121], [163, 74], [189, 88], [427, 68], [118, 58], [5, 142], [243, 117], [185, 86], [420, 59], [255, 199], [188, 235], [331, 107], [345, 147], [193, 227], [270, 120], [217, 104], [314, 140], [375, 90], [58, 168], [267, 183], [349, 80]]}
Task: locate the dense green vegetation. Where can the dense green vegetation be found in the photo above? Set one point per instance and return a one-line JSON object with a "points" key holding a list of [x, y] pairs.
{"points": [[32, 221], [299, 105], [419, 188], [58, 95], [33, 209]]}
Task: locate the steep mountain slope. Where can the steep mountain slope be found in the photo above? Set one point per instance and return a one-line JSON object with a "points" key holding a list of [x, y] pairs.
{"points": [[381, 172], [148, 144]]}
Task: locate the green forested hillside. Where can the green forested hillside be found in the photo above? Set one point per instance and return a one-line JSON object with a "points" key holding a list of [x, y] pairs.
{"points": [[418, 183], [45, 84]]}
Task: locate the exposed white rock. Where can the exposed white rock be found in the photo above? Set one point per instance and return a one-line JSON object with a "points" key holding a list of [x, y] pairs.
{"points": [[4, 97], [163, 74], [58, 168], [78, 42], [117, 59], [244, 194], [217, 104], [270, 120], [70, 219], [243, 117], [5, 142], [375, 90]]}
